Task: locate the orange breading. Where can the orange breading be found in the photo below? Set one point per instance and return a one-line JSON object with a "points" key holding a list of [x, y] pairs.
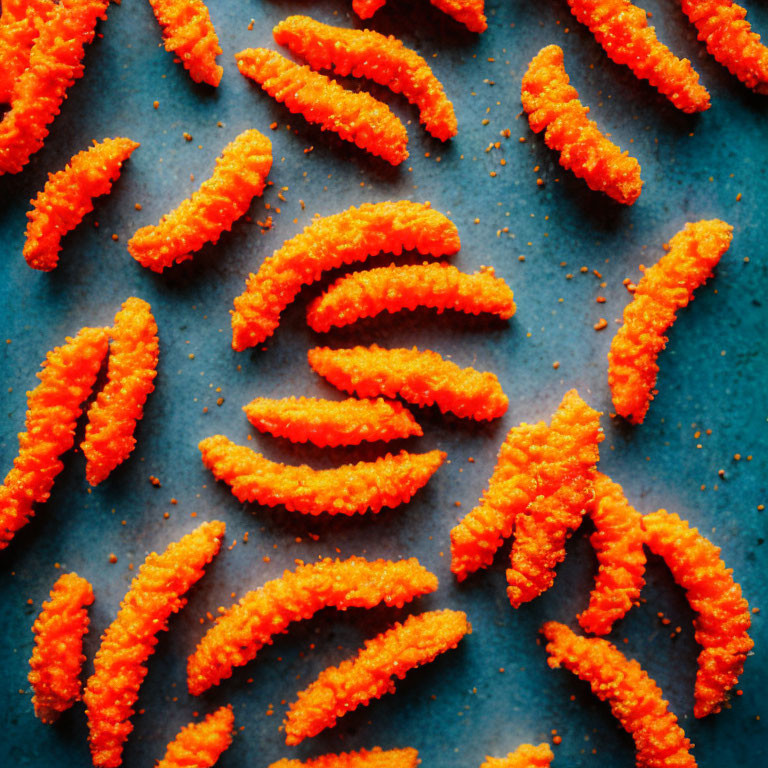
{"points": [[636, 701], [327, 243], [355, 682], [356, 117], [239, 176], [553, 104], [131, 373], [119, 666], [199, 745], [722, 614], [252, 623], [364, 53], [470, 13], [525, 756], [438, 286], [331, 423], [68, 196], [419, 377], [346, 490], [53, 407], [58, 655], [373, 758], [663, 289]]}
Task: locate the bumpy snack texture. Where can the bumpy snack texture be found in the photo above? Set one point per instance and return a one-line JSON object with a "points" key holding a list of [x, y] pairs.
{"points": [[525, 756], [365, 758], [356, 682], [199, 745], [470, 13], [663, 289]]}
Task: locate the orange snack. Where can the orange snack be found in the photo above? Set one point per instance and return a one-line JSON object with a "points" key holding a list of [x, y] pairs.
{"points": [[252, 623], [525, 756], [119, 406], [346, 490], [355, 117], [58, 655], [663, 289], [199, 745], [439, 286], [119, 666], [68, 196], [470, 13], [421, 378], [553, 104], [722, 614], [53, 407], [330, 242], [240, 175], [374, 758], [331, 423], [636, 701], [355, 682], [364, 53]]}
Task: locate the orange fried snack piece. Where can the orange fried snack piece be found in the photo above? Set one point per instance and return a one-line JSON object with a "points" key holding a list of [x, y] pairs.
{"points": [[68, 196], [419, 377], [355, 682], [356, 117], [199, 745], [364, 53], [119, 666], [722, 614], [553, 106], [663, 289], [525, 756], [438, 286], [470, 13], [240, 175], [53, 407], [346, 490], [330, 242], [365, 758], [252, 623], [329, 423], [57, 658], [119, 406]]}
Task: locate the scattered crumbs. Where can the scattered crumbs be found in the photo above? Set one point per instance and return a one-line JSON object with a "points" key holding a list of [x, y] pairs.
{"points": [[155, 481], [112, 557]]}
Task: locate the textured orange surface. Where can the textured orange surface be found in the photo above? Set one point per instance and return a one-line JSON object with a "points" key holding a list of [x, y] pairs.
{"points": [[119, 666], [199, 745], [722, 614], [355, 682], [252, 623], [525, 756], [470, 13], [636, 701], [663, 289], [365, 758]]}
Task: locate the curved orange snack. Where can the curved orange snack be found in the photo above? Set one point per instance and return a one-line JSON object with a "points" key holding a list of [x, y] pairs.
{"points": [[525, 756], [470, 13], [199, 745], [373, 758]]}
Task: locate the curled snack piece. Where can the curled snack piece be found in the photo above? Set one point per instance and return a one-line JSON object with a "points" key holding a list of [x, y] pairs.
{"points": [[364, 53], [250, 624], [525, 756], [199, 745], [58, 655], [240, 174], [373, 758], [636, 701], [470, 13], [327, 243], [355, 682], [722, 614], [347, 490], [355, 117], [663, 289], [553, 104], [119, 666]]}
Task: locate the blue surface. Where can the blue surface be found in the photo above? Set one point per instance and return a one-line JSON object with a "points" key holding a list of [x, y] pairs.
{"points": [[460, 708]]}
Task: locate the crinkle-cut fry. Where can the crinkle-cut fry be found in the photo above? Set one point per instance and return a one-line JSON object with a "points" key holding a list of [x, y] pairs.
{"points": [[664, 288], [365, 53], [357, 681], [330, 242], [240, 175], [53, 407], [635, 699], [356, 117], [373, 758], [68, 196], [330, 423], [131, 372], [437, 286], [252, 623], [470, 13], [722, 614], [525, 756], [57, 658], [553, 106], [618, 543], [119, 667], [55, 62], [346, 490], [199, 745], [419, 377]]}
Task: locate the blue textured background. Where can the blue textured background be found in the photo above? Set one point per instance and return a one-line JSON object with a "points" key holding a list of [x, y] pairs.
{"points": [[460, 708]]}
